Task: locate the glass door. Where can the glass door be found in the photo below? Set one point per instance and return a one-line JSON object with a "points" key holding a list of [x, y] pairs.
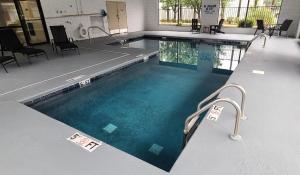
{"points": [[9, 18], [30, 15], [26, 18]]}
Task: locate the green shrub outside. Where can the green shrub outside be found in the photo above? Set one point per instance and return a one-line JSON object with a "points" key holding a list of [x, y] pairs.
{"points": [[232, 20], [265, 14], [246, 23]]}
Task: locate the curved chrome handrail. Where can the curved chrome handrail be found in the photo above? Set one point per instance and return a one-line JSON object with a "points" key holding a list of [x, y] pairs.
{"points": [[191, 120], [97, 27], [261, 35], [217, 92]]}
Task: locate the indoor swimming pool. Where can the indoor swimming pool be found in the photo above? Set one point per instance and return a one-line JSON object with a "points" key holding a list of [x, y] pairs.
{"points": [[141, 109]]}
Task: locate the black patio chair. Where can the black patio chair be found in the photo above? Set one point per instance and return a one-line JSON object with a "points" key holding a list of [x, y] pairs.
{"points": [[195, 26], [260, 26], [217, 28], [61, 40], [284, 27], [10, 42], [4, 60]]}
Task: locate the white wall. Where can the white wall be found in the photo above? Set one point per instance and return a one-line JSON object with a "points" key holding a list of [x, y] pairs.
{"points": [[291, 10], [71, 13], [135, 15], [151, 15]]}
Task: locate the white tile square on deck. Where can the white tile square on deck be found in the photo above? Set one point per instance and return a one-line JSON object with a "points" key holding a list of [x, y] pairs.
{"points": [[260, 72], [156, 149], [75, 78], [110, 128]]}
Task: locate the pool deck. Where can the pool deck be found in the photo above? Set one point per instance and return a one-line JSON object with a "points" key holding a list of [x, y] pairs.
{"points": [[34, 144]]}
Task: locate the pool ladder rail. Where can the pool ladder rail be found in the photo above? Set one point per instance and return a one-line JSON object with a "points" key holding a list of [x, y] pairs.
{"points": [[191, 121], [108, 34], [261, 35]]}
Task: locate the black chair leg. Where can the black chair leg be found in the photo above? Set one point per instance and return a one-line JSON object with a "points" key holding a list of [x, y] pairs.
{"points": [[52, 45], [17, 62], [29, 60], [4, 68], [46, 55], [255, 32], [15, 58], [271, 32], [78, 51], [56, 50]]}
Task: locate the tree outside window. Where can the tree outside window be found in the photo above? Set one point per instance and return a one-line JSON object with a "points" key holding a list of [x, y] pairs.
{"points": [[237, 13], [179, 12], [244, 13]]}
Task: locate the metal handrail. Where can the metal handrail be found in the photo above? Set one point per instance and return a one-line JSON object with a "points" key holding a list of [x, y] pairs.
{"points": [[261, 35], [192, 119], [217, 92], [108, 34]]}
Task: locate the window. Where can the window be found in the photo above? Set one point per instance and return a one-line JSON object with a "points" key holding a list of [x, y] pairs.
{"points": [[179, 12], [237, 13], [244, 13]]}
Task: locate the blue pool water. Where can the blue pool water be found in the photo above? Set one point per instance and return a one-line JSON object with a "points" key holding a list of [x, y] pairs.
{"points": [[141, 109]]}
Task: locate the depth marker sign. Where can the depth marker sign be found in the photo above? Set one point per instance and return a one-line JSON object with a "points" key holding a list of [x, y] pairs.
{"points": [[84, 142], [215, 113], [84, 83]]}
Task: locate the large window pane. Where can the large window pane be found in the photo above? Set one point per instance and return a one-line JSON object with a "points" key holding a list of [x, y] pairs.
{"points": [[8, 14], [233, 11], [267, 10], [244, 13], [33, 21], [168, 12], [237, 13], [9, 18], [179, 12]]}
